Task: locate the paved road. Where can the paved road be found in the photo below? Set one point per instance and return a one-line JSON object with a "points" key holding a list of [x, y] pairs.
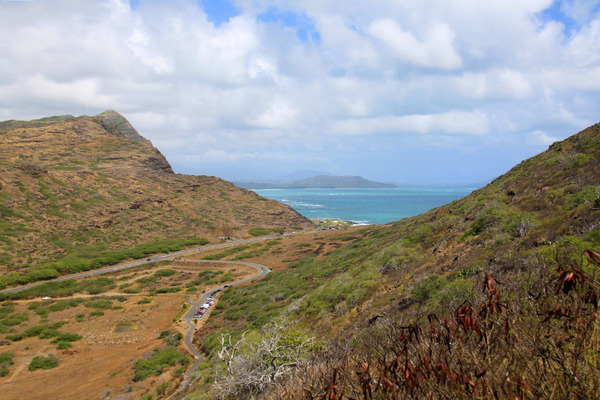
{"points": [[136, 263], [189, 315]]}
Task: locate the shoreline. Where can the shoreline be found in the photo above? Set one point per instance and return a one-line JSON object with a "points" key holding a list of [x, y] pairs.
{"points": [[332, 223]]}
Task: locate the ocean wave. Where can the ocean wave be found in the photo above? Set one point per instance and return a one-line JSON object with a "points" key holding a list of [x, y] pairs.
{"points": [[293, 203]]}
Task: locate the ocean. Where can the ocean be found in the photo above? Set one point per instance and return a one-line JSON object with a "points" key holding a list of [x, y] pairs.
{"points": [[366, 206]]}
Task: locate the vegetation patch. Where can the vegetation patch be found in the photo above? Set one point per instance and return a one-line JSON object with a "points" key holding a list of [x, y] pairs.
{"points": [[158, 362], [6, 360], [41, 362], [259, 231], [64, 340], [87, 257]]}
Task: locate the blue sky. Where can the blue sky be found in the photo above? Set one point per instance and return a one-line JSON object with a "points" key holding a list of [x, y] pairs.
{"points": [[411, 92]]}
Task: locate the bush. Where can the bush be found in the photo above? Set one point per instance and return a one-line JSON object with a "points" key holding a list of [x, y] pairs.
{"points": [[101, 304], [41, 362], [15, 319], [162, 273], [63, 341], [259, 231], [99, 285], [158, 362], [6, 360], [96, 314], [168, 290], [48, 333], [67, 337], [428, 288]]}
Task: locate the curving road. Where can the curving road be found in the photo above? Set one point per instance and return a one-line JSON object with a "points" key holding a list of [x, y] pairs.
{"points": [[189, 315], [136, 263]]}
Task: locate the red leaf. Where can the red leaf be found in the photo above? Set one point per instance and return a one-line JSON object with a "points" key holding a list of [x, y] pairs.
{"points": [[592, 256]]}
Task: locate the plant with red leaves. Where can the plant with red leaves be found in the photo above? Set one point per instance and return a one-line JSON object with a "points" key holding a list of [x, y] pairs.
{"points": [[568, 279], [465, 316]]}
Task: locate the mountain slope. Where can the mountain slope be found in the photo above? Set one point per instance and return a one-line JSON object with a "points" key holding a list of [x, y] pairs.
{"points": [[394, 283], [76, 189]]}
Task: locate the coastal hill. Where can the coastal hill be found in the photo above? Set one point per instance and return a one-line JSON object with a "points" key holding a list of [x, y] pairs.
{"points": [[316, 182], [76, 192]]}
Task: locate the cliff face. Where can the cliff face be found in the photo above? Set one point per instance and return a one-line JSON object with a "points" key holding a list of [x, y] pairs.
{"points": [[84, 184]]}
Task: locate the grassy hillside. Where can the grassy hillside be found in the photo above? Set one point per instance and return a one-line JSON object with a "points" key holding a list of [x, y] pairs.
{"points": [[465, 301], [80, 192]]}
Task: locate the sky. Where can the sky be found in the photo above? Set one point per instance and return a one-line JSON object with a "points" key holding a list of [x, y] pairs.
{"points": [[405, 91]]}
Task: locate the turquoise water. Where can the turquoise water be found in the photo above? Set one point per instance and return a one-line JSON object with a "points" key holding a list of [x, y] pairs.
{"points": [[366, 206]]}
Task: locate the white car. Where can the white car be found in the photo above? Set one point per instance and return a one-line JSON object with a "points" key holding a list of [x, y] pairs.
{"points": [[46, 298]]}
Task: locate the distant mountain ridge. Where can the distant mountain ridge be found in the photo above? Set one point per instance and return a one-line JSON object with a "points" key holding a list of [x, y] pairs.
{"points": [[316, 182]]}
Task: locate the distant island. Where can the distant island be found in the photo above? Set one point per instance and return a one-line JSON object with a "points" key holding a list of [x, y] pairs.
{"points": [[316, 182]]}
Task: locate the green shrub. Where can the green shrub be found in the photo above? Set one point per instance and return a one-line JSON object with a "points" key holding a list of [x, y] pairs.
{"points": [[6, 360], [428, 287], [96, 314], [162, 273], [63, 341], [99, 285], [63, 345], [158, 362], [41, 362], [168, 290], [48, 333], [102, 304], [63, 288], [259, 231], [42, 274], [64, 304], [162, 388], [67, 337], [15, 319]]}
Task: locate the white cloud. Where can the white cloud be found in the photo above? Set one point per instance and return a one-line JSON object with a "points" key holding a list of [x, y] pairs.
{"points": [[280, 114], [81, 92], [462, 72], [542, 138], [452, 122], [436, 50]]}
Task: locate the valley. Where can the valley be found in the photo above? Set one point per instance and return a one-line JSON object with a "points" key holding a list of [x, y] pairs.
{"points": [[446, 304]]}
